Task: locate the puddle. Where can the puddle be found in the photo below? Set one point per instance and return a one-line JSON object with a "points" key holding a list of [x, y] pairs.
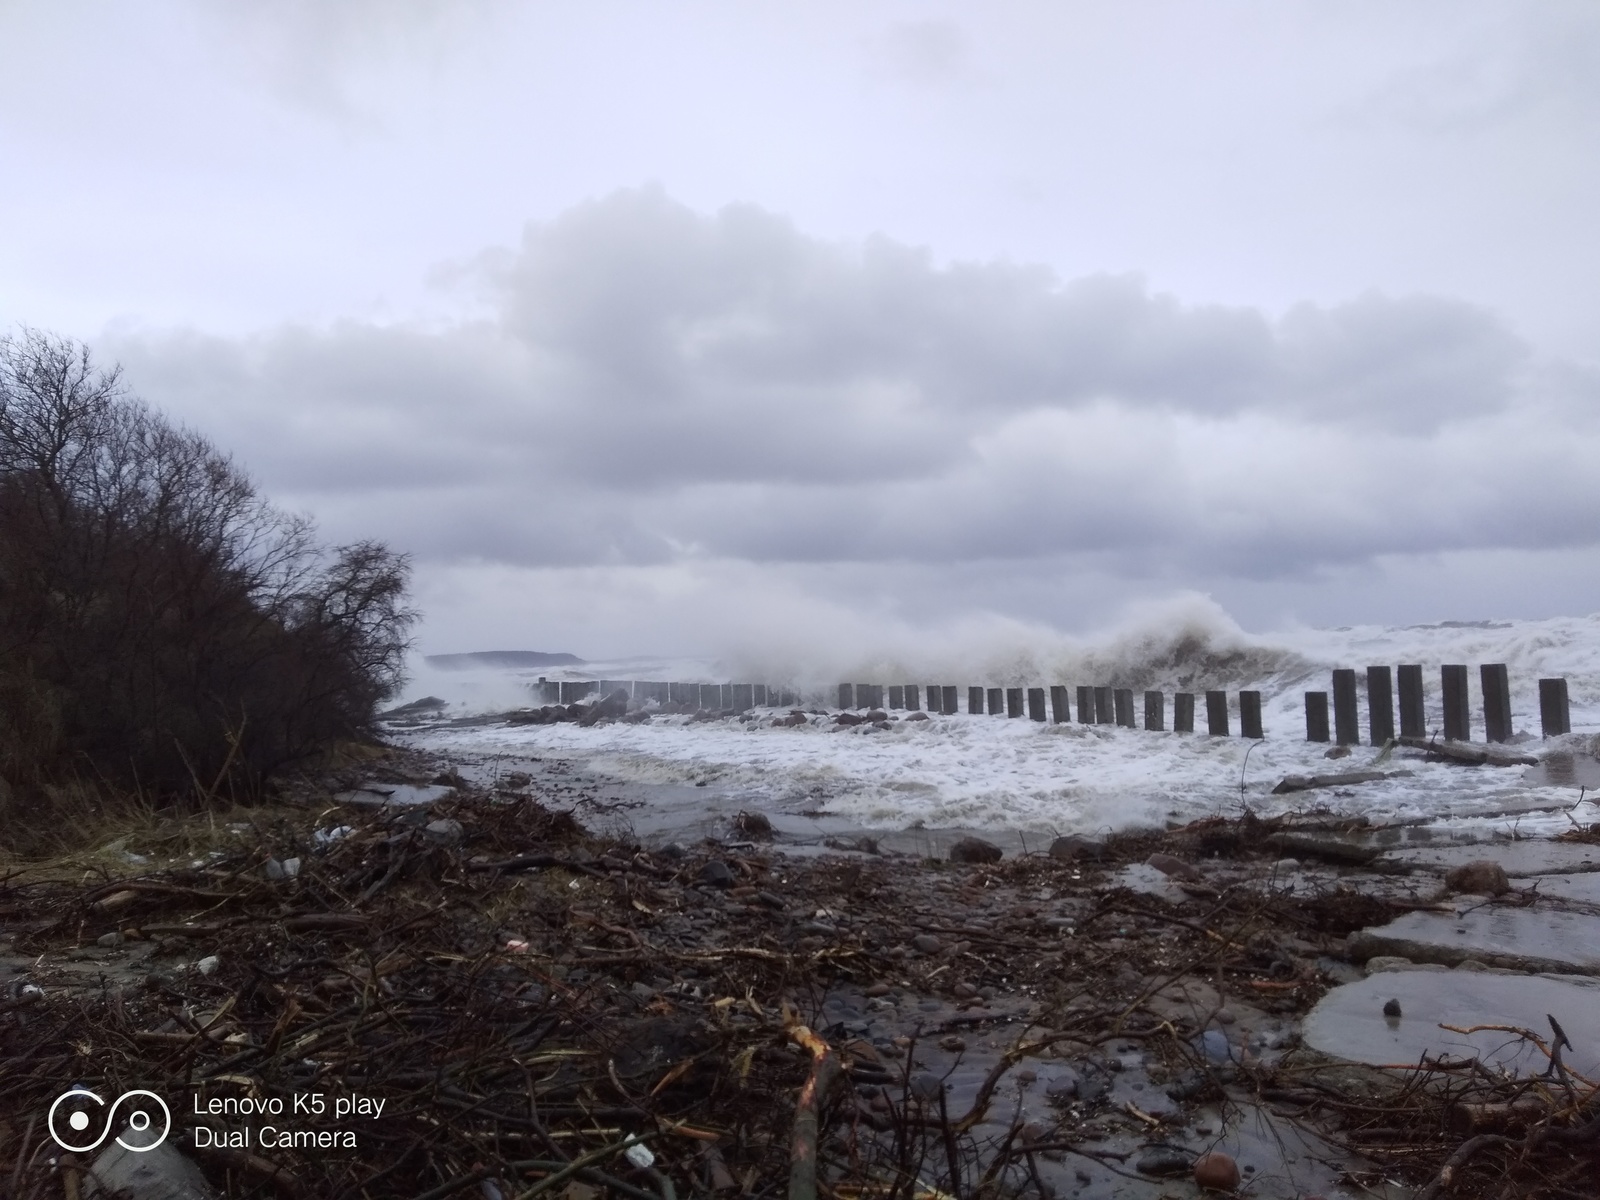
{"points": [[1348, 1022], [1542, 939], [1564, 768]]}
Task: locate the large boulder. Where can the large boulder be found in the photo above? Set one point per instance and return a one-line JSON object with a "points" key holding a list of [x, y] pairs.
{"points": [[975, 850]]}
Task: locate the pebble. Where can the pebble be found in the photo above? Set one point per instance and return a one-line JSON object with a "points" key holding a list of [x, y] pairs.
{"points": [[1216, 1171], [878, 989], [965, 991], [926, 1086], [952, 1043], [1027, 1076], [1163, 1160], [1063, 1086], [1214, 1045], [109, 939], [1391, 1008], [1225, 1016], [975, 850], [926, 943], [717, 873]]}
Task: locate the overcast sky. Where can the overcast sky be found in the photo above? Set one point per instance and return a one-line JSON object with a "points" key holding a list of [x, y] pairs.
{"points": [[681, 328]]}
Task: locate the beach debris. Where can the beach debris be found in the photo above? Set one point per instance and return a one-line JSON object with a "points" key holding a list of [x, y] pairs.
{"points": [[1471, 753], [1306, 783], [157, 1173], [1326, 849], [278, 870], [753, 825]]}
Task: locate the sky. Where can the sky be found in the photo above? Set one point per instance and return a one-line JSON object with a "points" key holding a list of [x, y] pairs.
{"points": [[697, 328]]}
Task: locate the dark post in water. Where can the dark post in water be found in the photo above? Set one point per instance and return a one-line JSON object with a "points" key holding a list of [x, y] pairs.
{"points": [[1496, 702], [847, 695], [897, 696], [1155, 710], [1060, 710], [1380, 705], [1103, 712], [947, 698], [1413, 718], [1316, 716], [1013, 702], [1035, 704], [974, 699], [1457, 716], [1346, 718], [1085, 705], [1250, 715], [997, 702], [913, 701], [1183, 712], [1554, 715], [934, 698], [1217, 714], [744, 697], [1122, 698]]}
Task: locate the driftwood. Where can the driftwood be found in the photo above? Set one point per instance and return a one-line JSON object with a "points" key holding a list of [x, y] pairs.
{"points": [[1304, 783], [1473, 753]]}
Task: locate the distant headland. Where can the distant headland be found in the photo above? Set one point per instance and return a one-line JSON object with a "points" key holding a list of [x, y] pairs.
{"points": [[501, 658]]}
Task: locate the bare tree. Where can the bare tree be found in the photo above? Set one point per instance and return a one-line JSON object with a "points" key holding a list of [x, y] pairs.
{"points": [[161, 623]]}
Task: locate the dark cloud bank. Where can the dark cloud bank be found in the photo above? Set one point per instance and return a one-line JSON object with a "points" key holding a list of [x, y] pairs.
{"points": [[650, 385]]}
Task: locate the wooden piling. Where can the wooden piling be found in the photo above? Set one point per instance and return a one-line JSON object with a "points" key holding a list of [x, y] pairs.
{"points": [[1105, 712], [847, 695], [1086, 706], [913, 700], [1316, 716], [1496, 702], [897, 696], [997, 702], [1183, 712], [1060, 707], [1380, 706], [760, 695], [710, 697], [1346, 718], [947, 698], [1035, 704], [1122, 706], [1013, 702], [744, 697], [1457, 715], [1413, 716], [1250, 715], [974, 700], [935, 697], [1555, 717], [1217, 714], [1155, 710]]}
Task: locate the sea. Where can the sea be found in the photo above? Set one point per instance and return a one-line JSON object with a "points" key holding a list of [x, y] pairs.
{"points": [[1021, 782]]}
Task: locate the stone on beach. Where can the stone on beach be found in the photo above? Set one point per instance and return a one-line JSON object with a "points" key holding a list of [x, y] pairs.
{"points": [[1482, 878], [975, 850], [1174, 867], [1216, 1171]]}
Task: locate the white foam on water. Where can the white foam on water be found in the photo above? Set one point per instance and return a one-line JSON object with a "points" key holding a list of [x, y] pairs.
{"points": [[991, 772]]}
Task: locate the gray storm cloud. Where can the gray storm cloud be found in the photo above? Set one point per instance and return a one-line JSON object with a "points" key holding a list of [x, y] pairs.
{"points": [[649, 383]]}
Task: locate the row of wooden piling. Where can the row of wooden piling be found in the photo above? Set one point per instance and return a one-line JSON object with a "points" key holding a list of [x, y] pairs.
{"points": [[1095, 705], [715, 697], [1554, 710]]}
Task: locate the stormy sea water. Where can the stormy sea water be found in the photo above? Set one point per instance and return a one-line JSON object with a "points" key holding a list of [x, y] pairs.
{"points": [[1027, 781]]}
